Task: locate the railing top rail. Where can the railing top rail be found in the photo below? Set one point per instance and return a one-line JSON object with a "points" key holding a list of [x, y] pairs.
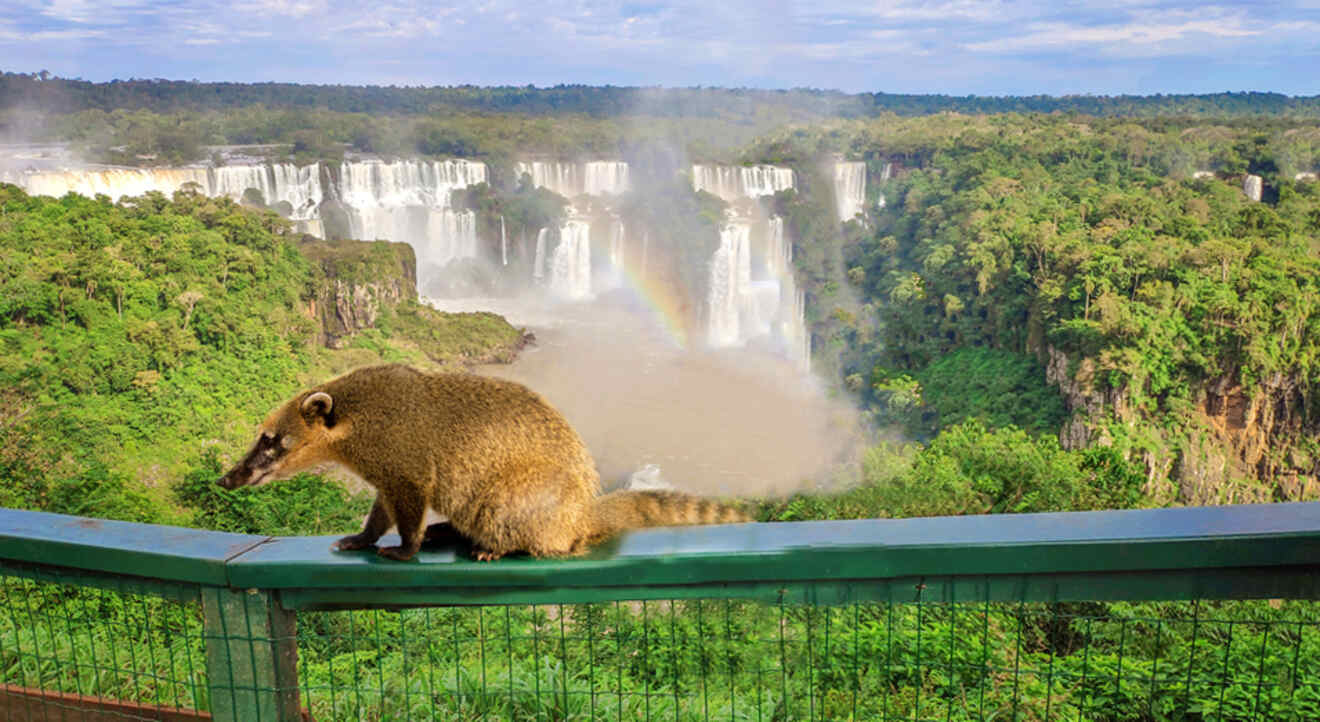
{"points": [[118, 547], [1194, 538]]}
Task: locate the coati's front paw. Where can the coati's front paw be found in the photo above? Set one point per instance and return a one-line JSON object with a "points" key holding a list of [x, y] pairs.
{"points": [[353, 542], [485, 555], [402, 554]]}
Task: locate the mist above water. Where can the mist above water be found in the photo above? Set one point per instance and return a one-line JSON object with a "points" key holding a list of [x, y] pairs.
{"points": [[734, 422]]}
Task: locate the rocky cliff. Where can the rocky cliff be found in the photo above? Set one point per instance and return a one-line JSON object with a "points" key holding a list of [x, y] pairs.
{"points": [[372, 285], [1233, 434], [358, 279]]}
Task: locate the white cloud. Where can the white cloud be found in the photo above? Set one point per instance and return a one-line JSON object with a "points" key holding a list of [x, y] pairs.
{"points": [[1061, 35], [854, 44], [287, 8]]}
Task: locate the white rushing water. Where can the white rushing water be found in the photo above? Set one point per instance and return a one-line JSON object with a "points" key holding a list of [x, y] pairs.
{"points": [[538, 264], [409, 201], [734, 182], [751, 294], [886, 173], [850, 188], [594, 178], [375, 183], [570, 264], [618, 239], [504, 244], [300, 187], [113, 182], [730, 279]]}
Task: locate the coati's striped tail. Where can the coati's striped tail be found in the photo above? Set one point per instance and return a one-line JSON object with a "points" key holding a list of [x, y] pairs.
{"points": [[622, 510]]}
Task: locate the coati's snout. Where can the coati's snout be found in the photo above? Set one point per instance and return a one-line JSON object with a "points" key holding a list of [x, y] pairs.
{"points": [[259, 464], [287, 444]]}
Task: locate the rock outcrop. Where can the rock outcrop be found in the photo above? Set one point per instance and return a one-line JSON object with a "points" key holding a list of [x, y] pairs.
{"points": [[1253, 186], [359, 278], [1267, 432]]}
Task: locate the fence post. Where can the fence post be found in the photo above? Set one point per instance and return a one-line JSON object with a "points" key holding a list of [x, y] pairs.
{"points": [[251, 656]]}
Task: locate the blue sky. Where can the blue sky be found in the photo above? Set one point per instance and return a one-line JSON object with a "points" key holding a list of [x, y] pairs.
{"points": [[956, 46]]}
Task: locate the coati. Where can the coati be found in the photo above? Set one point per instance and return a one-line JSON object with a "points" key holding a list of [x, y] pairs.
{"points": [[504, 466]]}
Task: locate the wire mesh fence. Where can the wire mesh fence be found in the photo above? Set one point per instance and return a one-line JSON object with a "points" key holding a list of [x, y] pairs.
{"points": [[697, 625], [66, 648], [734, 660]]}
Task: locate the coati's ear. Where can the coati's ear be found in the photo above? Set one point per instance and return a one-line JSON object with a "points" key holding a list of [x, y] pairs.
{"points": [[319, 406]]}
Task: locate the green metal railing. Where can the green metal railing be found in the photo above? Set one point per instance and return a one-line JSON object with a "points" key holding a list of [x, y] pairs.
{"points": [[1178, 614]]}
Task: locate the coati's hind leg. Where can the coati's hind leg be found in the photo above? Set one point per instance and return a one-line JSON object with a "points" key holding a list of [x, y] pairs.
{"points": [[378, 520], [443, 533], [408, 507], [544, 517]]}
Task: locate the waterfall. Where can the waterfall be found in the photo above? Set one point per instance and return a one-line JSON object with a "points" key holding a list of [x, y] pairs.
{"points": [[561, 178], [409, 201], [570, 265], [538, 266], [574, 179], [113, 182], [730, 277], [747, 300], [605, 177], [446, 235], [504, 244], [374, 183], [886, 173], [849, 188], [779, 252], [734, 182], [300, 187]]}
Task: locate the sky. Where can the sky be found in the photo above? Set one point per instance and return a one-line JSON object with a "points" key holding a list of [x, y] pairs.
{"points": [[956, 47]]}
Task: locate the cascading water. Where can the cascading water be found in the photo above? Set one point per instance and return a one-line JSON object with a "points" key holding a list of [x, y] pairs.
{"points": [[730, 296], [538, 265], [300, 187], [278, 184], [733, 182], [594, 178], [113, 182], [849, 188], [606, 177], [570, 265], [504, 244], [409, 201], [779, 252], [749, 299], [886, 173], [377, 184]]}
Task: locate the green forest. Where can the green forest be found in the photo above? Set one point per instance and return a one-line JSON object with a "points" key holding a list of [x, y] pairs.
{"points": [[1050, 304]]}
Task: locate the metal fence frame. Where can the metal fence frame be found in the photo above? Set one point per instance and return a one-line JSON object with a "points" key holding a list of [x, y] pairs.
{"points": [[251, 587]]}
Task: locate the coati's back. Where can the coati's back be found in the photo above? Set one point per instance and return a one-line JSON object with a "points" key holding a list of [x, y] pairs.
{"points": [[461, 431]]}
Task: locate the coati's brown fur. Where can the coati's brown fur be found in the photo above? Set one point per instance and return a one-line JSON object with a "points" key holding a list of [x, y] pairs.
{"points": [[491, 455]]}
